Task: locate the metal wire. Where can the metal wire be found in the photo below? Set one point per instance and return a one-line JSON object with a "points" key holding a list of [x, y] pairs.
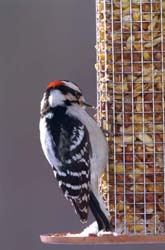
{"points": [[130, 105]]}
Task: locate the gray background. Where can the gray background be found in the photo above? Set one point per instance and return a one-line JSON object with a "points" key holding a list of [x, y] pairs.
{"points": [[40, 40]]}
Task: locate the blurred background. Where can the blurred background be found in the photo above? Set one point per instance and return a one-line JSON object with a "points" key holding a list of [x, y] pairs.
{"points": [[40, 40]]}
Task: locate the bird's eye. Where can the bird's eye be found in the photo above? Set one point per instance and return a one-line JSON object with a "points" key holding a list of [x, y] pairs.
{"points": [[77, 94]]}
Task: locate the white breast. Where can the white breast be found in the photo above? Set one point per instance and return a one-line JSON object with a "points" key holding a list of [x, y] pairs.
{"points": [[47, 142]]}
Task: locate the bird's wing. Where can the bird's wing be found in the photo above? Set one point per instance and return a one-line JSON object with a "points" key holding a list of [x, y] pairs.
{"points": [[74, 152]]}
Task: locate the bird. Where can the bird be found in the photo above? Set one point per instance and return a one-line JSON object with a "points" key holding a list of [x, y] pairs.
{"points": [[76, 149]]}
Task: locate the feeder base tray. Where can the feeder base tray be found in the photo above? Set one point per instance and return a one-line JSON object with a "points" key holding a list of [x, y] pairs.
{"points": [[63, 238]]}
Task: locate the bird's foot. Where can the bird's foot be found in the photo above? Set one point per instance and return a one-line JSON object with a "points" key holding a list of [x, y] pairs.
{"points": [[108, 133]]}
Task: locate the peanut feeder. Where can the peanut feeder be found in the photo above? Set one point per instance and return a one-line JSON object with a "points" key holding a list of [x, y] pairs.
{"points": [[130, 105]]}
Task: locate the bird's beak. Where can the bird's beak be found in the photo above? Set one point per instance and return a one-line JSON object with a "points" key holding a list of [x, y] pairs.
{"points": [[88, 105], [85, 104]]}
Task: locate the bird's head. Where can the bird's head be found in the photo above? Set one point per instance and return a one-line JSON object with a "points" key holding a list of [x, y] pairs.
{"points": [[64, 93]]}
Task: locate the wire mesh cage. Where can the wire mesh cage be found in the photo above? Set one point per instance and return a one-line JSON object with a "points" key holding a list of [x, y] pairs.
{"points": [[130, 106]]}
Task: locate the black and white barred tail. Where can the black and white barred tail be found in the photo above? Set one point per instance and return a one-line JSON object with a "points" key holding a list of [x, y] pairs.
{"points": [[75, 186]]}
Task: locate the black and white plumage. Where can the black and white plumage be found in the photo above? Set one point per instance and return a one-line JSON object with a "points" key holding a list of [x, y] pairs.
{"points": [[75, 147]]}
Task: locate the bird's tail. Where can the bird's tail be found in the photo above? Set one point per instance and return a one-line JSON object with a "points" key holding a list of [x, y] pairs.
{"points": [[82, 207], [100, 213]]}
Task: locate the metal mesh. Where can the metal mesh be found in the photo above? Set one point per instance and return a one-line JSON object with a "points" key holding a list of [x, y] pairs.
{"points": [[130, 106]]}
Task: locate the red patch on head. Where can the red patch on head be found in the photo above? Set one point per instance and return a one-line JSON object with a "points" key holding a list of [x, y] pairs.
{"points": [[54, 84]]}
